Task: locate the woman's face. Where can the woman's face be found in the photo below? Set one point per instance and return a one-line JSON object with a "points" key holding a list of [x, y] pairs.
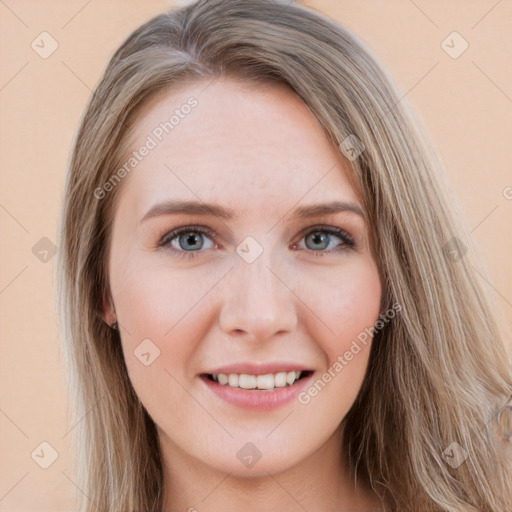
{"points": [[264, 283]]}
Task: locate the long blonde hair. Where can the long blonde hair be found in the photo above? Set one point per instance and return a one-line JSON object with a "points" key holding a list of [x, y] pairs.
{"points": [[437, 374]]}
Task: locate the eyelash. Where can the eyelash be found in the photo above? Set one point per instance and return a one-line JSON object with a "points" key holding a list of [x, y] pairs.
{"points": [[165, 240]]}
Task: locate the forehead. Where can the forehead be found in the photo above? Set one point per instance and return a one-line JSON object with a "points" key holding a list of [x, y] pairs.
{"points": [[230, 142]]}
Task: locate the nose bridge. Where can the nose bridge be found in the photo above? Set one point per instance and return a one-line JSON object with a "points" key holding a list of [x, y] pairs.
{"points": [[256, 301]]}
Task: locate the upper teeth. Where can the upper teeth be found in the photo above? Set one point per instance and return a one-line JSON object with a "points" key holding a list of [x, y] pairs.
{"points": [[267, 381]]}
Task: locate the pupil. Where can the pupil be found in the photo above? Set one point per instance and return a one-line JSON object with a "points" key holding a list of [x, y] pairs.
{"points": [[319, 237], [190, 237]]}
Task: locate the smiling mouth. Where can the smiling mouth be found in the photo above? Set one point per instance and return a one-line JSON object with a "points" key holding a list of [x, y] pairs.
{"points": [[264, 382]]}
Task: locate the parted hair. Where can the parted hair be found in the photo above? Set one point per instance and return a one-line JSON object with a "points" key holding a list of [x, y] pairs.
{"points": [[438, 373]]}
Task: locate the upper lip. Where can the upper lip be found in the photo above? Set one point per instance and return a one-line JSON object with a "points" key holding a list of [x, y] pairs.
{"points": [[259, 368]]}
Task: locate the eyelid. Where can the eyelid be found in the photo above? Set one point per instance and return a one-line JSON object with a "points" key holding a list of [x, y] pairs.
{"points": [[346, 239], [335, 230], [173, 233]]}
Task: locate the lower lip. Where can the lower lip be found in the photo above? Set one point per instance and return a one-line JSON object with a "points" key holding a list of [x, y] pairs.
{"points": [[257, 399]]}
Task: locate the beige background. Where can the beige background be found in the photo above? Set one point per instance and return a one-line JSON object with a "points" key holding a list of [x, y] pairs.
{"points": [[465, 103]]}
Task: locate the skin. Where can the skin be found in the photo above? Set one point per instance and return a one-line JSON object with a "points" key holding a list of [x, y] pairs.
{"points": [[262, 153]]}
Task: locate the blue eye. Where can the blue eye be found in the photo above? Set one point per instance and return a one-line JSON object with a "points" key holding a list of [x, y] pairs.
{"points": [[323, 235], [187, 241]]}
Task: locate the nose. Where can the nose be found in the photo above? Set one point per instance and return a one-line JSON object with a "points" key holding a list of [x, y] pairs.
{"points": [[257, 300]]}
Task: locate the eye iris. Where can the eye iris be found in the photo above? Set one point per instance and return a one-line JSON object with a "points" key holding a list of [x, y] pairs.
{"points": [[318, 237], [187, 237]]}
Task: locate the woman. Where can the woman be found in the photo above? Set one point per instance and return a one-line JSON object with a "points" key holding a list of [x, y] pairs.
{"points": [[258, 370]]}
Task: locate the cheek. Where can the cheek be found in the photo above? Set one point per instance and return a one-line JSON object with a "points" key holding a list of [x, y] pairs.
{"points": [[356, 302], [348, 304], [153, 299], [158, 343], [163, 316], [345, 300]]}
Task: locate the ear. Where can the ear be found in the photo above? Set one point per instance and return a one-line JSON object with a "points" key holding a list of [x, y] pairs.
{"points": [[108, 311]]}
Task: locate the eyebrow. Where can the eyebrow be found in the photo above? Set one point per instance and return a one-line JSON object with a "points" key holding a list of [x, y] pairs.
{"points": [[212, 209]]}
